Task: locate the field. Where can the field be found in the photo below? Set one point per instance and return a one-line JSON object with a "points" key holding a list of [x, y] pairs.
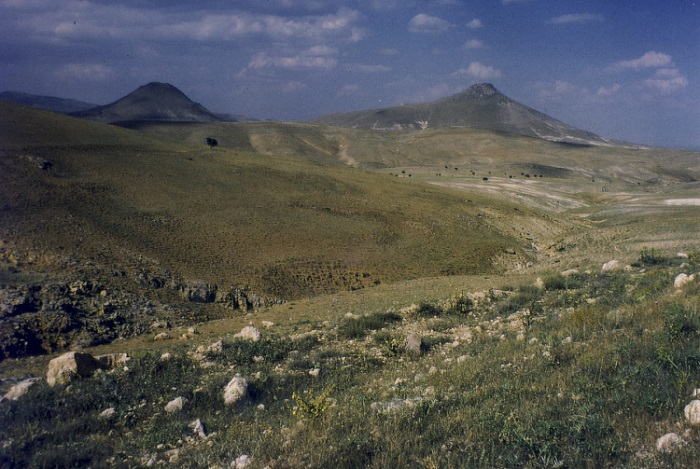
{"points": [[341, 246]]}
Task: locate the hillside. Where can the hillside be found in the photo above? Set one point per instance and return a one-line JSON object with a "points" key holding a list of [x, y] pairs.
{"points": [[49, 103], [224, 227], [480, 106]]}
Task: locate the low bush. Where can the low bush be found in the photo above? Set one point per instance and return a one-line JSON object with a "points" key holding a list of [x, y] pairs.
{"points": [[355, 328]]}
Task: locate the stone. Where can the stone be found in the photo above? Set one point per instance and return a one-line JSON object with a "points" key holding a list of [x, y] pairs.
{"points": [[569, 272], [175, 405], [198, 428], [241, 462], [162, 336], [166, 356], [249, 333], [692, 412], [112, 361], [268, 324], [539, 283], [413, 344], [612, 266], [236, 390], [315, 372], [682, 280], [668, 443], [108, 413], [216, 348], [19, 389], [63, 369]]}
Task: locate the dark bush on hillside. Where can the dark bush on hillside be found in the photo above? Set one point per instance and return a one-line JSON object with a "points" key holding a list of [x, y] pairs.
{"points": [[427, 310], [355, 328], [526, 298], [680, 321], [463, 305]]}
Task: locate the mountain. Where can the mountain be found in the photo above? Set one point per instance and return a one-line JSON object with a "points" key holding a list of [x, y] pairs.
{"points": [[49, 103], [152, 102], [480, 106]]}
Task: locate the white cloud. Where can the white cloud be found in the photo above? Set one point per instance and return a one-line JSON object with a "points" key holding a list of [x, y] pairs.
{"points": [[607, 92], [667, 81], [84, 72], [651, 59], [423, 23], [314, 58], [479, 71], [576, 18], [475, 24], [293, 86], [365, 68], [473, 44]]}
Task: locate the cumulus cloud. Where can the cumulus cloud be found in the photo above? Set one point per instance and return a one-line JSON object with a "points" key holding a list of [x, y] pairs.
{"points": [[475, 24], [423, 23], [651, 59], [473, 44], [667, 81], [315, 58], [607, 92], [479, 71], [576, 18]]}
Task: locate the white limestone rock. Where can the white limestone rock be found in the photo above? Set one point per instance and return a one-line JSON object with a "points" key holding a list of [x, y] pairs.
{"points": [[236, 390], [63, 369]]}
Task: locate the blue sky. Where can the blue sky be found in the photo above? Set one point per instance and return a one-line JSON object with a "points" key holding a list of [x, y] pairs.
{"points": [[628, 70]]}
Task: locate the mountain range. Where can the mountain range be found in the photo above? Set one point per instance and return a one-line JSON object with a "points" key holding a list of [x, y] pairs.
{"points": [[480, 106]]}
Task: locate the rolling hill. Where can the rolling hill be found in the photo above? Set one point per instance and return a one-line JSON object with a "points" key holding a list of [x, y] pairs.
{"points": [[49, 103]]}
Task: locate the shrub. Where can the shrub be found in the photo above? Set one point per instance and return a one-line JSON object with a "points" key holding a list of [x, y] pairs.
{"points": [[428, 310], [462, 305], [355, 328]]}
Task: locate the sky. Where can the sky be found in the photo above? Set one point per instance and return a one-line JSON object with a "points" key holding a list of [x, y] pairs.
{"points": [[624, 69]]}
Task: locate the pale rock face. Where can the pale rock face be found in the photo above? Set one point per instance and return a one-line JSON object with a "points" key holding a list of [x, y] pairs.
{"points": [[692, 412], [108, 413], [19, 389], [235, 390], [175, 405], [216, 347], [682, 280], [249, 333], [63, 369], [198, 428], [668, 443]]}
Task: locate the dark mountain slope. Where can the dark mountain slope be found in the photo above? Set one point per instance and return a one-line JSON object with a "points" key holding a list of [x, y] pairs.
{"points": [[480, 106], [48, 103], [152, 102]]}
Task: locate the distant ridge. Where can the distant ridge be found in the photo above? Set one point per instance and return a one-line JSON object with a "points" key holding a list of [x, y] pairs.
{"points": [[481, 106], [161, 102], [48, 103]]}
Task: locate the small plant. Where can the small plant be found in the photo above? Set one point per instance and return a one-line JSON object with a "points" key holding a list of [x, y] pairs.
{"points": [[309, 406], [355, 328], [651, 256], [428, 310], [462, 305]]}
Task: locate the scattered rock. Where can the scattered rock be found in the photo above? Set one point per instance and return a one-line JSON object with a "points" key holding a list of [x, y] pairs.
{"points": [[569, 272], [413, 344], [268, 324], [612, 266], [669, 442], [166, 356], [19, 389], [108, 413], [198, 428], [112, 361], [175, 405], [235, 390], [682, 255], [692, 412], [216, 347], [539, 283], [241, 462], [682, 280], [249, 333], [315, 372], [63, 369], [162, 336]]}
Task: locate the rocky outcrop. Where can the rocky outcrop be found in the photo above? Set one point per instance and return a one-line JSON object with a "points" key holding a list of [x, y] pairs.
{"points": [[236, 390], [71, 365]]}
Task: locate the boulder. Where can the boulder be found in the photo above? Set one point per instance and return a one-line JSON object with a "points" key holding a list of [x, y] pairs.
{"points": [[249, 333], [236, 390], [19, 389], [692, 412], [669, 442], [198, 428], [682, 280], [612, 266], [112, 361], [63, 369], [241, 462], [413, 344], [175, 405]]}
